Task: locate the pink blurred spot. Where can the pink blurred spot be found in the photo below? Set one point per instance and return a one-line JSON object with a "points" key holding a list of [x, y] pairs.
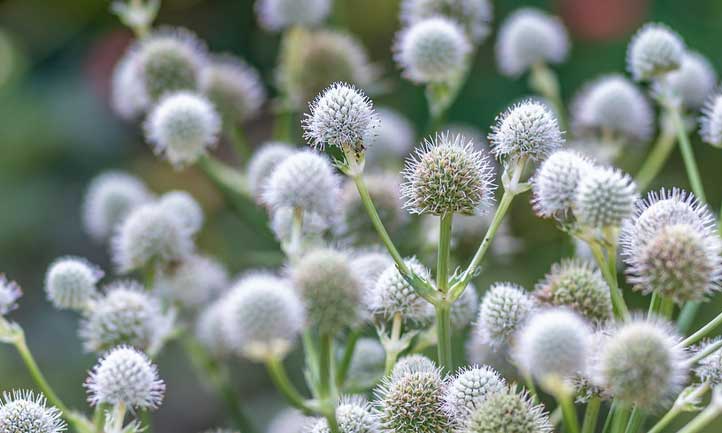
{"points": [[602, 19], [101, 60]]}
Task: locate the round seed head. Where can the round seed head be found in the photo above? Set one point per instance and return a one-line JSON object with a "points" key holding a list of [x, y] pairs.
{"points": [[578, 285], [9, 294], [234, 87], [209, 329], [393, 140], [127, 94], [367, 363], [23, 412], [555, 183], [474, 15], [692, 82], [125, 376], [70, 282], [369, 265], [527, 37], [526, 130], [109, 199], [480, 353], [288, 421], [185, 207], [384, 191], [276, 15], [605, 198], [262, 164], [468, 389], [392, 295], [194, 282], [330, 289], [710, 123], [709, 368], [464, 310], [447, 175], [182, 126], [508, 412], [432, 50], [412, 364], [503, 310], [654, 51], [262, 317], [354, 415]]}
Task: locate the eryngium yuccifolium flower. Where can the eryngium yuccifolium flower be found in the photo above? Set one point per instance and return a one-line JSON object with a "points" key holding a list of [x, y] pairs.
{"points": [[473, 15], [367, 363], [185, 207], [709, 368], [262, 164], [384, 191], [653, 51], [710, 123], [411, 364], [554, 185], [468, 389], [262, 317], [125, 376], [182, 126], [553, 345], [526, 130], [447, 175], [641, 363], [369, 265], [481, 353], [613, 104], [508, 412], [605, 197], [330, 289], [527, 37], [288, 421], [354, 415], [127, 95], [342, 116], [503, 310], [169, 60], [192, 283], [282, 221], [126, 314], [150, 234], [392, 295], [432, 50], [234, 87], [70, 282], [24, 412], [464, 310], [304, 180], [393, 139], [275, 15], [578, 285], [692, 83], [9, 294], [109, 199], [209, 329]]}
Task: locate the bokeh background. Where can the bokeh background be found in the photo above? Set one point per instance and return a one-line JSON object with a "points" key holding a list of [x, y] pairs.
{"points": [[57, 132]]}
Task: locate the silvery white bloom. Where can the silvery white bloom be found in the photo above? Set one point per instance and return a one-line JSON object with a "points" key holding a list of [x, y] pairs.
{"points": [[692, 83], [528, 129], [529, 36], [262, 164], [209, 329], [392, 295], [288, 421], [710, 123], [276, 15], [653, 51], [464, 310], [24, 412], [354, 415], [605, 198], [127, 95], [70, 282], [314, 224], [394, 137], [182, 127], [413, 364], [9, 294], [474, 15], [468, 388], [508, 411], [432, 50], [504, 308], [185, 207], [369, 265], [554, 185], [192, 283], [709, 368], [234, 87]]}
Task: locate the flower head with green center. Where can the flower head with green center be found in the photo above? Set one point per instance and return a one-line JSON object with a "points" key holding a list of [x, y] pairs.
{"points": [[508, 412], [354, 415]]}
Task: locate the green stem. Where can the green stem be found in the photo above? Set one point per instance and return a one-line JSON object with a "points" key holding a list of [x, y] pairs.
{"points": [[544, 81], [654, 304], [238, 140], [531, 387], [687, 316], [702, 332], [443, 333], [146, 421], [444, 253], [443, 309], [685, 147], [283, 125], [392, 352], [707, 351], [656, 159], [702, 420], [610, 415], [280, 379], [569, 412], [605, 265], [119, 410], [325, 388], [621, 416], [591, 415], [679, 407], [635, 421], [99, 417], [347, 357]]}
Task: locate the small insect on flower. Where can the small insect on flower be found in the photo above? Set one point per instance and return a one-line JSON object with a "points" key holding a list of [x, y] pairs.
{"points": [[70, 282], [276, 15], [182, 127], [654, 51], [692, 83], [527, 37], [394, 138], [468, 388], [125, 376], [354, 415], [710, 123], [185, 207], [605, 198], [9, 294], [234, 87], [503, 310], [474, 15], [433, 50], [24, 412], [262, 164], [555, 183], [526, 130], [508, 412], [392, 295]]}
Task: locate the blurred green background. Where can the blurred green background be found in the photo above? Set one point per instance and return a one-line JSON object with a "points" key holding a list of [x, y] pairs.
{"points": [[57, 132]]}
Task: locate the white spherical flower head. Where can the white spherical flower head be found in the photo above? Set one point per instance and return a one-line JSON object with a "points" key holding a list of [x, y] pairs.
{"points": [[605, 198], [9, 294], [692, 83], [474, 15], [412, 364], [262, 164], [508, 412], [23, 412], [369, 265], [526, 130], [127, 95], [393, 140], [710, 123], [125, 376], [288, 421], [527, 37], [182, 126], [209, 329], [275, 15], [504, 308], [392, 295], [234, 87], [185, 207], [150, 234], [109, 199], [465, 309], [432, 50], [314, 224], [468, 389], [654, 51], [554, 185], [613, 104], [354, 414], [70, 282], [192, 283], [709, 368]]}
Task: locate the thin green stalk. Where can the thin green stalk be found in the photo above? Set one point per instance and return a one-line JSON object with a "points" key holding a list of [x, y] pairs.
{"points": [[325, 388], [621, 417], [392, 354], [544, 81], [620, 307], [702, 420], [531, 387], [685, 147], [37, 375], [702, 332], [347, 357], [444, 253], [443, 335], [146, 421], [283, 125], [443, 309], [99, 417], [680, 407], [238, 139], [654, 304], [610, 416], [569, 413], [280, 379], [591, 415], [635, 421], [118, 416], [707, 351], [656, 159]]}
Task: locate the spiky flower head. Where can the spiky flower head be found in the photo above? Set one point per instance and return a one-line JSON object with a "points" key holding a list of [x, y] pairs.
{"points": [[262, 164], [209, 329], [447, 175], [126, 314], [125, 376], [9, 294], [393, 140], [555, 183], [613, 104], [605, 198], [276, 15], [234, 87], [710, 123], [692, 83], [526, 130], [185, 207], [468, 388], [150, 234], [641, 363], [503, 310], [479, 352], [369, 265], [653, 51], [354, 415], [127, 94], [508, 412], [709, 368], [182, 126], [367, 363], [577, 284], [432, 50], [392, 295], [464, 310], [529, 36], [169, 60], [412, 364], [288, 421], [384, 191], [110, 197], [70, 282], [330, 289], [474, 15], [192, 283], [262, 317], [24, 412]]}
